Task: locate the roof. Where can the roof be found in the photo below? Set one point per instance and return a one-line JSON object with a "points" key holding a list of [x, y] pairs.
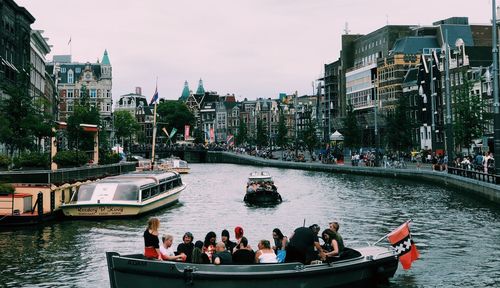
{"points": [[201, 89], [457, 31], [185, 92], [105, 58], [414, 44], [410, 77]]}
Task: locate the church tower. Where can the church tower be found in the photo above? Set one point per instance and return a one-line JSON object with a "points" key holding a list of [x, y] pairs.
{"points": [[185, 92], [200, 90]]}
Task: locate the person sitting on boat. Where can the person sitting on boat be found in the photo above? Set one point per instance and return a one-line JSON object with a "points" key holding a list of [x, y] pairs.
{"points": [[302, 240], [187, 246], [280, 242], [265, 254], [151, 240], [209, 244], [244, 254], [238, 234], [331, 247], [335, 227], [167, 252], [252, 187], [225, 239], [198, 257], [222, 256]]}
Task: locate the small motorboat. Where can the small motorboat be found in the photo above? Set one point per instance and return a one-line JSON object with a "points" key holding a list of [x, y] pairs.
{"points": [[125, 195], [261, 189], [174, 164], [368, 265]]}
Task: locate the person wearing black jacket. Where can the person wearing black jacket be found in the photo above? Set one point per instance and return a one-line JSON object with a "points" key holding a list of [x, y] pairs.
{"points": [[229, 244], [186, 246]]}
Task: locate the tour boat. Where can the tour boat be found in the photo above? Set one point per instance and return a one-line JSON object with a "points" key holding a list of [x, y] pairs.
{"points": [[261, 189], [370, 264], [174, 164], [125, 195]]}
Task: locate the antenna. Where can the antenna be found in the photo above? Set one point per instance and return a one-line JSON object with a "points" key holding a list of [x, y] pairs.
{"points": [[346, 28], [386, 19]]}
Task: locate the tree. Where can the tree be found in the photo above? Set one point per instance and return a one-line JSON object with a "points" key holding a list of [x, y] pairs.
{"points": [[351, 132], [399, 127], [174, 114], [471, 116], [241, 137], [309, 135], [17, 133], [282, 131], [262, 138], [198, 136], [77, 138], [126, 125]]}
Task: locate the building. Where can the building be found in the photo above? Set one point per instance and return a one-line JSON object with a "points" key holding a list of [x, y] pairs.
{"points": [[330, 106], [137, 105], [77, 82], [45, 98]]}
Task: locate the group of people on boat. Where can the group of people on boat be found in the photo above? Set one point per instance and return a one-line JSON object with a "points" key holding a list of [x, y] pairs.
{"points": [[254, 186], [303, 246]]}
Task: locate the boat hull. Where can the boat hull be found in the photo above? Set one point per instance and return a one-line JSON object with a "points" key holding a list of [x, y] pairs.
{"points": [[121, 210], [134, 271], [263, 197]]}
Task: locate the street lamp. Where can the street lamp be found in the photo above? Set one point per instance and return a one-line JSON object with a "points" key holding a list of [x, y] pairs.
{"points": [[375, 112], [496, 111]]}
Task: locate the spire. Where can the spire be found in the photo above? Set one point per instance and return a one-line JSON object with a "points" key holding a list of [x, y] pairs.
{"points": [[105, 59], [185, 92], [200, 89]]}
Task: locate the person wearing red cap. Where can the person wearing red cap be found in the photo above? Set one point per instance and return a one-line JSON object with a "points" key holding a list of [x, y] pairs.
{"points": [[238, 233]]}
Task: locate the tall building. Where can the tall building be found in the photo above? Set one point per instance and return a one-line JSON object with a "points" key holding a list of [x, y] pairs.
{"points": [[15, 36], [77, 81], [42, 88]]}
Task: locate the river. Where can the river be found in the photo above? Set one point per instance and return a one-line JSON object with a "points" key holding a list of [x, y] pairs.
{"points": [[457, 235]]}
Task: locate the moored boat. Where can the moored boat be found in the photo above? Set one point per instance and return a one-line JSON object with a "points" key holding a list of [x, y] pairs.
{"points": [[372, 263], [125, 195], [174, 164], [261, 189]]}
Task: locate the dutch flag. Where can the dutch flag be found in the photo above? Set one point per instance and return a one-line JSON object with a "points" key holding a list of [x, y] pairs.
{"points": [[155, 97]]}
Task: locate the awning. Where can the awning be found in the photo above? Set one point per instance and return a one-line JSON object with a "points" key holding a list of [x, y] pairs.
{"points": [[336, 136]]}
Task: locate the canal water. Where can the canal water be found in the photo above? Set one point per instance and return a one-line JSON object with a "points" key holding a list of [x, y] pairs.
{"points": [[458, 235]]}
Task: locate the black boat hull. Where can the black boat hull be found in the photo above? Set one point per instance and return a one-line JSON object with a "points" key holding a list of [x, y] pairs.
{"points": [[263, 197]]}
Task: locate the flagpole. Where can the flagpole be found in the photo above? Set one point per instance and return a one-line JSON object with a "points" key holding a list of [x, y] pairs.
{"points": [[154, 139]]}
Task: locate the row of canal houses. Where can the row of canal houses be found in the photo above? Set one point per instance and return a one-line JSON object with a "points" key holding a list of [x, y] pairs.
{"points": [[219, 116]]}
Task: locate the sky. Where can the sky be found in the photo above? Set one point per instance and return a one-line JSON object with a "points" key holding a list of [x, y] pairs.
{"points": [[250, 48]]}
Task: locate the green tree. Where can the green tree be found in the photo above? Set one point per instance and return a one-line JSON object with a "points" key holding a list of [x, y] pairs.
{"points": [[282, 131], [126, 126], [309, 136], [262, 137], [77, 138], [351, 131], [399, 127], [470, 114], [174, 114], [198, 136], [17, 133], [241, 137]]}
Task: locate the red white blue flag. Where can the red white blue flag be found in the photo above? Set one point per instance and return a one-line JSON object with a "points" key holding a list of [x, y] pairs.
{"points": [[155, 97]]}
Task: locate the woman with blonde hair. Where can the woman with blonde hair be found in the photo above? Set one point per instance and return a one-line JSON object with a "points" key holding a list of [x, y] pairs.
{"points": [[151, 240]]}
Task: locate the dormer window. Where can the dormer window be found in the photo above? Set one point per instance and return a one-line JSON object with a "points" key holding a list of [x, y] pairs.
{"points": [[71, 78]]}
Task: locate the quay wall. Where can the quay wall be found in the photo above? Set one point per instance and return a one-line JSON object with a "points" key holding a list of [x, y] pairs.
{"points": [[465, 185]]}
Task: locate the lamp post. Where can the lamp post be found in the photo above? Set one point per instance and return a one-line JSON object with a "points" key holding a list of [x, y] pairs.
{"points": [[449, 126], [375, 112], [496, 111]]}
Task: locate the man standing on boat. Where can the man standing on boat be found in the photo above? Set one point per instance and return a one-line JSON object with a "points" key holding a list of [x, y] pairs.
{"points": [[302, 240]]}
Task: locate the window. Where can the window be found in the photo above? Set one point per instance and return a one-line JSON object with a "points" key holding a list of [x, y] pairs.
{"points": [[70, 76], [69, 93], [108, 93], [63, 69], [70, 107], [78, 70], [93, 93]]}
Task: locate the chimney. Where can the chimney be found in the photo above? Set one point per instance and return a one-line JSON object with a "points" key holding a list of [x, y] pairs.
{"points": [[138, 90]]}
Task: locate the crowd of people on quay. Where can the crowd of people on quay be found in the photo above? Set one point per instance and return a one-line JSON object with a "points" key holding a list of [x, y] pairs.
{"points": [[302, 246]]}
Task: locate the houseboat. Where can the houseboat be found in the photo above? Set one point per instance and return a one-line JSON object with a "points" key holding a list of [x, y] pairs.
{"points": [[125, 195]]}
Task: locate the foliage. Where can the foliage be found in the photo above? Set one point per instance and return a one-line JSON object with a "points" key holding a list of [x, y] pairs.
{"points": [[241, 137], [399, 127], [77, 138], [71, 158], [33, 159], [15, 130], [174, 114], [4, 161], [198, 136], [471, 116], [125, 125], [281, 139], [262, 137], [6, 188], [351, 132], [108, 157], [309, 136]]}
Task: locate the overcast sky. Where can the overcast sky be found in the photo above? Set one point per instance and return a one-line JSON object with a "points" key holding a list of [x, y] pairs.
{"points": [[252, 48]]}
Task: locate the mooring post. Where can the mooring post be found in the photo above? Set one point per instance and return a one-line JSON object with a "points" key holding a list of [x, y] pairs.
{"points": [[39, 200]]}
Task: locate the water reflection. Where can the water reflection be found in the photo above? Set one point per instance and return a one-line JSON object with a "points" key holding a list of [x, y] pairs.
{"points": [[457, 234]]}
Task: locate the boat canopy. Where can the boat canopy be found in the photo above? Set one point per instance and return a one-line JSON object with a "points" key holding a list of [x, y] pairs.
{"points": [[260, 177]]}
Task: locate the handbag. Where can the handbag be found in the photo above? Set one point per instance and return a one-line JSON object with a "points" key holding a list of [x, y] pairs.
{"points": [[281, 255]]}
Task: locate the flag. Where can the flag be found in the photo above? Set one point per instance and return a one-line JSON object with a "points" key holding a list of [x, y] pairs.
{"points": [[186, 132], [155, 97], [165, 131], [212, 135], [69, 42], [401, 240], [230, 140], [172, 133]]}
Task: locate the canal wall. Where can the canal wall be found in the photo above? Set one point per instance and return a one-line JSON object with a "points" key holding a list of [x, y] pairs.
{"points": [[469, 186]]}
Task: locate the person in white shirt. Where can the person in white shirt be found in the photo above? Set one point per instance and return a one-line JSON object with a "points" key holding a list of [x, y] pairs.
{"points": [[265, 253], [166, 250]]}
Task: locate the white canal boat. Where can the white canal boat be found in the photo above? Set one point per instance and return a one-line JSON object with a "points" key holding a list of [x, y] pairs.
{"points": [[125, 195], [174, 164]]}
